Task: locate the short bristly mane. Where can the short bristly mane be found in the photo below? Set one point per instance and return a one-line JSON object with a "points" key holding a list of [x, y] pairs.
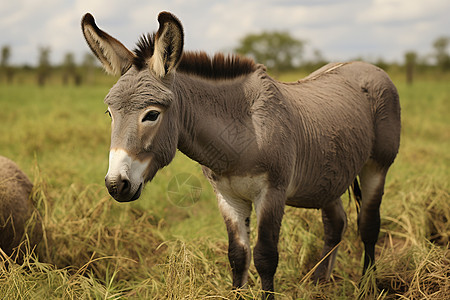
{"points": [[219, 66], [144, 50]]}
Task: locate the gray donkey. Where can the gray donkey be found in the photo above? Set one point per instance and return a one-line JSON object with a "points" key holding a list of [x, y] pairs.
{"points": [[261, 142]]}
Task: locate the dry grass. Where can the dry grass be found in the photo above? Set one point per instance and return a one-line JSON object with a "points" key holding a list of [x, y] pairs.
{"points": [[91, 250]]}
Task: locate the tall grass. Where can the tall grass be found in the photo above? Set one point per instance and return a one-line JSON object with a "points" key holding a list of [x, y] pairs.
{"points": [[96, 248]]}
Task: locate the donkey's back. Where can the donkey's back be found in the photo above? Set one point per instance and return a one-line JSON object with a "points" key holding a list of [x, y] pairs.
{"points": [[341, 117], [376, 98]]}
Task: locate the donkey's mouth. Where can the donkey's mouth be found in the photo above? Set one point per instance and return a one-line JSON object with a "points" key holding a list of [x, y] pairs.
{"points": [[137, 194], [123, 198]]}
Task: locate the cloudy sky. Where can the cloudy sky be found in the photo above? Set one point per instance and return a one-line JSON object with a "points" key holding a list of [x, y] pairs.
{"points": [[340, 29]]}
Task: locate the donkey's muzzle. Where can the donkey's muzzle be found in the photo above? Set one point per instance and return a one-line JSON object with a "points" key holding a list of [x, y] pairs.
{"points": [[121, 189]]}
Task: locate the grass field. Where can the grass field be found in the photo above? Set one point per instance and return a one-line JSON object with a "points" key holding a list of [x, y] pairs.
{"points": [[153, 248]]}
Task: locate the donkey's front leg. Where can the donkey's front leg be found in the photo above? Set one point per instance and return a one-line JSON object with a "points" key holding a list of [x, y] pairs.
{"points": [[269, 211], [236, 214]]}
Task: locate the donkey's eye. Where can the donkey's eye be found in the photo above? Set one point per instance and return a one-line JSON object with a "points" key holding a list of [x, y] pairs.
{"points": [[151, 116]]}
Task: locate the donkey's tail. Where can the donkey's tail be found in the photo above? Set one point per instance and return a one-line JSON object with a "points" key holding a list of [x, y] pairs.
{"points": [[357, 194]]}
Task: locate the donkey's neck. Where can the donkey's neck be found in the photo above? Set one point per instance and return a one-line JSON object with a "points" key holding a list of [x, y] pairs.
{"points": [[215, 124]]}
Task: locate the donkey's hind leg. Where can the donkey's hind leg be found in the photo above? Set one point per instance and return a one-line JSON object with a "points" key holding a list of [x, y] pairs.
{"points": [[334, 223], [372, 179]]}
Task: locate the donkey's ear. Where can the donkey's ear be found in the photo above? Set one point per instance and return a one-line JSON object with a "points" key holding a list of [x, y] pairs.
{"points": [[168, 45], [115, 57]]}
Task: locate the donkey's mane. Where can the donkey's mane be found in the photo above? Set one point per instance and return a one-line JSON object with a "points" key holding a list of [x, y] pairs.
{"points": [[145, 48], [219, 66]]}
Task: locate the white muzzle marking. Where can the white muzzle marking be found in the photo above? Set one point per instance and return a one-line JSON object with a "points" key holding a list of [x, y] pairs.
{"points": [[120, 163]]}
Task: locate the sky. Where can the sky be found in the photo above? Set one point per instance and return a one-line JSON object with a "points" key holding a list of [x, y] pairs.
{"points": [[340, 29]]}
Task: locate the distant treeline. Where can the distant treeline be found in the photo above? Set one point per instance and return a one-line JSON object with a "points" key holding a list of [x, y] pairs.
{"points": [[67, 72], [279, 51]]}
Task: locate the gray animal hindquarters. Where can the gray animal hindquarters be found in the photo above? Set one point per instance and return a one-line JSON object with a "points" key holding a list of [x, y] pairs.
{"points": [[16, 207]]}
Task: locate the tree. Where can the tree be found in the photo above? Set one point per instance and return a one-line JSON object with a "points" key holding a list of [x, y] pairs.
{"points": [[4, 64], [381, 63], [44, 68], [410, 63], [69, 68], [88, 67], [6, 54], [279, 51], [441, 53]]}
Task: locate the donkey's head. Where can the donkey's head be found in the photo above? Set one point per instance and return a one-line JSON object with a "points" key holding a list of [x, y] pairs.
{"points": [[144, 134]]}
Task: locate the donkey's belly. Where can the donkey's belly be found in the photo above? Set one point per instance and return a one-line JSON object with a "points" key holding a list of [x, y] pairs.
{"points": [[324, 173], [248, 187], [309, 201], [313, 192]]}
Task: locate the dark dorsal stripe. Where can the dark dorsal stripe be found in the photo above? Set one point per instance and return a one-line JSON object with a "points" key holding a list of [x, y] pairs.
{"points": [[217, 67]]}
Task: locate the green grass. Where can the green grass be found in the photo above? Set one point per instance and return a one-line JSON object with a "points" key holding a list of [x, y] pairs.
{"points": [[96, 248]]}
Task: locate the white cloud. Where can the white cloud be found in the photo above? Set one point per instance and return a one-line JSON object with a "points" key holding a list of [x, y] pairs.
{"points": [[383, 11], [340, 29]]}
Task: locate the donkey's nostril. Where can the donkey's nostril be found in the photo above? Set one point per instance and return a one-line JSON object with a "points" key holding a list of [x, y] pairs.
{"points": [[123, 186], [111, 185], [118, 186]]}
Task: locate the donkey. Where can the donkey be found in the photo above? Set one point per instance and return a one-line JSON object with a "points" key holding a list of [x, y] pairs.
{"points": [[260, 142], [18, 215]]}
